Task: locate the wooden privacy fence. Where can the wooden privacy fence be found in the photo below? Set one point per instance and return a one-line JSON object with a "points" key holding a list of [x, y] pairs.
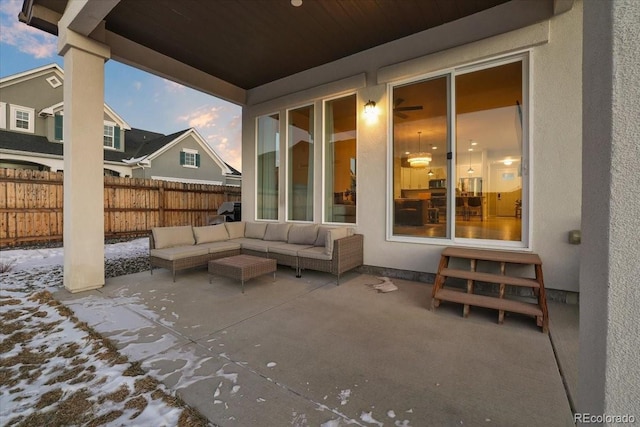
{"points": [[31, 205]]}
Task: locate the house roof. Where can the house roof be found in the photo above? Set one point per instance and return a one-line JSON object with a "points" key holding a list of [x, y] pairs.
{"points": [[51, 110], [148, 145], [29, 143], [233, 170], [155, 148], [247, 44], [30, 74], [139, 144]]}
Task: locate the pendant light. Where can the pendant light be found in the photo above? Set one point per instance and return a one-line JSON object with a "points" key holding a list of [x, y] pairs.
{"points": [[430, 173], [420, 159], [470, 170]]}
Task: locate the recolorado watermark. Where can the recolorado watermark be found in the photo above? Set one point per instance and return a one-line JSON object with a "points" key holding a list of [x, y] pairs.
{"points": [[587, 418]]}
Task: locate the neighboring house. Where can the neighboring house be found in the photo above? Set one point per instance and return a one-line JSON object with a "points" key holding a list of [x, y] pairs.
{"points": [[31, 137]]}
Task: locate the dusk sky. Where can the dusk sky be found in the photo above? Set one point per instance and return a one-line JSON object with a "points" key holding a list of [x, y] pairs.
{"points": [[141, 99]]}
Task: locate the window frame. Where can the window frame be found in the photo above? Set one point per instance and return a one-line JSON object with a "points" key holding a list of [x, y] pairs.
{"points": [[112, 126], [188, 153], [3, 115], [324, 219], [526, 57], [278, 164], [14, 110], [312, 149]]}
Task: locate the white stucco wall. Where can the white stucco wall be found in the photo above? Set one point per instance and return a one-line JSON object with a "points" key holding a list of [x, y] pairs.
{"points": [[609, 365], [555, 136]]}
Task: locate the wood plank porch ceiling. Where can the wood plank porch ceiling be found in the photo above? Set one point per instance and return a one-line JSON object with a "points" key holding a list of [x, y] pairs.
{"points": [[249, 43]]}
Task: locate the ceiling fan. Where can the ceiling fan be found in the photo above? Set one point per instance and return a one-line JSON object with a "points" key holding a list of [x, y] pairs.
{"points": [[399, 111]]}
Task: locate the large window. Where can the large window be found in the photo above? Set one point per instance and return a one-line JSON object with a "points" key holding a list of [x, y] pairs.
{"points": [[268, 166], [340, 160], [300, 164], [459, 168]]}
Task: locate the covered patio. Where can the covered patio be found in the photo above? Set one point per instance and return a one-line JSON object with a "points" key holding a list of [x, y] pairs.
{"points": [[307, 352], [586, 163]]}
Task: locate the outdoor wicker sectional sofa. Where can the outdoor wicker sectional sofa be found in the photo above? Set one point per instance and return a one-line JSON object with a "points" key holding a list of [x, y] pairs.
{"points": [[333, 250]]}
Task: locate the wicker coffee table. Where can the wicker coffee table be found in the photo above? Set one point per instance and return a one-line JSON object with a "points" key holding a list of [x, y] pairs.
{"points": [[242, 267]]}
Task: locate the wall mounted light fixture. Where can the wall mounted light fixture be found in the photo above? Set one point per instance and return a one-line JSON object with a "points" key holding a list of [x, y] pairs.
{"points": [[369, 107]]}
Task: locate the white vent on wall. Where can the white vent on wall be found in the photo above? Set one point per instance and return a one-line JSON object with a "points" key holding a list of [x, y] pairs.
{"points": [[54, 82]]}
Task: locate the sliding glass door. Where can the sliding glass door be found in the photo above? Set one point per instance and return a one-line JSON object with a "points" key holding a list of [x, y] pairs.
{"points": [[459, 154]]}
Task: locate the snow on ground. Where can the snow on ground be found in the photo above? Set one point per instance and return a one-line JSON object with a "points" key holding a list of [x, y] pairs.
{"points": [[52, 367], [27, 259], [55, 370]]}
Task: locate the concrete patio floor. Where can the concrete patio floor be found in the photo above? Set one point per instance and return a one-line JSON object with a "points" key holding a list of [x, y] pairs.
{"points": [[305, 352]]}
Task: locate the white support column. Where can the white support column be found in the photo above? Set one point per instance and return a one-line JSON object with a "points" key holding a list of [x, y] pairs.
{"points": [[83, 160], [609, 366]]}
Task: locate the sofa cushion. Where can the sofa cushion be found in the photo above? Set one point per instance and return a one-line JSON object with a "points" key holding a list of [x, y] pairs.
{"points": [[235, 229], [167, 237], [255, 230], [288, 249], [179, 252], [257, 245], [277, 232], [303, 234], [216, 247], [315, 252], [210, 233], [333, 235]]}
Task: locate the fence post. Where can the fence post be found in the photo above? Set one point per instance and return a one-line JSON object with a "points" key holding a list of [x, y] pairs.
{"points": [[161, 203]]}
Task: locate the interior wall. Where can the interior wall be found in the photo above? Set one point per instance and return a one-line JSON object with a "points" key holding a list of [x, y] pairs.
{"points": [[556, 139]]}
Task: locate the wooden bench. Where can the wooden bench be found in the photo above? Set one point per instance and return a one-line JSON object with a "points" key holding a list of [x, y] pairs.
{"points": [[537, 309]]}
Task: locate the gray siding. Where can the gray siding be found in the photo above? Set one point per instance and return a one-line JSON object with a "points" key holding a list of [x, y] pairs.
{"points": [[34, 93], [168, 164]]}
